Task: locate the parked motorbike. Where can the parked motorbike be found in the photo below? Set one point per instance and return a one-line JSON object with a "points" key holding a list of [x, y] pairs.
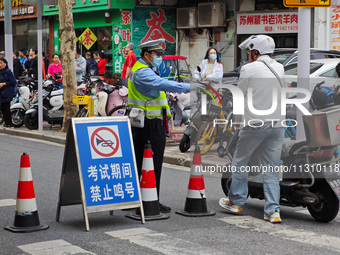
{"points": [[19, 108], [52, 106], [111, 96], [309, 175], [177, 102]]}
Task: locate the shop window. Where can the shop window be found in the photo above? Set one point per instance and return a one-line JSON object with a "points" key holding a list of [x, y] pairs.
{"points": [[97, 39], [25, 34]]}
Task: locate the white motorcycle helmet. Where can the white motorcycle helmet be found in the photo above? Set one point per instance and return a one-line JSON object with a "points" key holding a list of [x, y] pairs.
{"points": [[262, 43]]}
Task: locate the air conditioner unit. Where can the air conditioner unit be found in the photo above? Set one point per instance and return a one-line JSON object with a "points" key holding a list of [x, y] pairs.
{"points": [[211, 14], [186, 18]]}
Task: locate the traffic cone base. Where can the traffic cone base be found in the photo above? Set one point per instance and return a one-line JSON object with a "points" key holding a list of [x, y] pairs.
{"points": [[196, 208], [196, 201], [26, 214], [152, 212], [148, 190], [26, 223]]}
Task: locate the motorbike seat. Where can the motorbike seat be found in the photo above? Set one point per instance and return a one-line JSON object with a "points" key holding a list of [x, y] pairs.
{"points": [[57, 92]]}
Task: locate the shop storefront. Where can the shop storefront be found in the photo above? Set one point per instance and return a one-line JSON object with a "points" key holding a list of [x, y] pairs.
{"points": [[24, 26], [100, 26]]}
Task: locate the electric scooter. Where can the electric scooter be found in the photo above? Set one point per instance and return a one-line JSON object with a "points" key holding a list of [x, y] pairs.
{"points": [[52, 106], [310, 175], [19, 108]]}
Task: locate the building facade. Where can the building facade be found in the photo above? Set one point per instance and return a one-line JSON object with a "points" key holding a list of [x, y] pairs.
{"points": [[189, 27]]}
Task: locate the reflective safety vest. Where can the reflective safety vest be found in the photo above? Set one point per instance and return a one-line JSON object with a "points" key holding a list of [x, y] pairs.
{"points": [[152, 106]]}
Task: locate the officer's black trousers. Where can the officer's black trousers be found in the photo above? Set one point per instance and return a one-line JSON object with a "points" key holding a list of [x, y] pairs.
{"points": [[153, 131]]}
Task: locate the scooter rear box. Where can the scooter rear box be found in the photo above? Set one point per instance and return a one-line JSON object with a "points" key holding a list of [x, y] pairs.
{"points": [[322, 127]]}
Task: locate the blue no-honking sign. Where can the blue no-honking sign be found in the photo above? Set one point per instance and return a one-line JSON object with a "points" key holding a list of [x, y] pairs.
{"points": [[106, 160], [99, 169]]}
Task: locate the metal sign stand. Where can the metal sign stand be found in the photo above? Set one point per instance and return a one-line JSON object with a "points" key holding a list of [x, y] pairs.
{"points": [[74, 190]]}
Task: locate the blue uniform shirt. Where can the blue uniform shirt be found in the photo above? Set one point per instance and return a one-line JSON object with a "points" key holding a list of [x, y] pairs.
{"points": [[150, 84]]}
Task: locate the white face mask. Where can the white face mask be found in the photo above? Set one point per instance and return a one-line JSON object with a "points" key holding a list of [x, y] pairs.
{"points": [[157, 61], [212, 57]]}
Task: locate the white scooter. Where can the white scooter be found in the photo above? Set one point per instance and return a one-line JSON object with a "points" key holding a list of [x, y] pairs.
{"points": [[52, 106], [18, 109]]}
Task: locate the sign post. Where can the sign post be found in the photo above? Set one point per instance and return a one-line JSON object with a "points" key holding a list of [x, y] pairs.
{"points": [[99, 168]]}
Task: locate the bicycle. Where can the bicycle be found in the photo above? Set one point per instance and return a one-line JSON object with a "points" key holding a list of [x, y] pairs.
{"points": [[218, 116]]}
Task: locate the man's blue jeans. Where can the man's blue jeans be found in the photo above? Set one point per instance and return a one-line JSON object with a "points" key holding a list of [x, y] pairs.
{"points": [[267, 145]]}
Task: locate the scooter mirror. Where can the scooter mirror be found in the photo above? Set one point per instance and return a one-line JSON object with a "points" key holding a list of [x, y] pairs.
{"points": [[198, 68]]}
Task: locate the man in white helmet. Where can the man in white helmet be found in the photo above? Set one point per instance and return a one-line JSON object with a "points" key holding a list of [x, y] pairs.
{"points": [[261, 136]]}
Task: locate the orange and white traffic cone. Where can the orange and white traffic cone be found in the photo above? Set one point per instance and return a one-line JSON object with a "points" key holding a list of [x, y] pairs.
{"points": [[26, 214], [148, 190], [196, 201]]}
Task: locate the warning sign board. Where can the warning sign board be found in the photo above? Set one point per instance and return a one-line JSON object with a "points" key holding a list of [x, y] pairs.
{"points": [[104, 176], [307, 3]]}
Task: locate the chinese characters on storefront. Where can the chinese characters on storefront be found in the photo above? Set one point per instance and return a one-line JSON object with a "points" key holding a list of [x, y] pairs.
{"points": [[153, 24], [335, 28], [122, 36], [18, 10], [257, 23], [88, 38]]}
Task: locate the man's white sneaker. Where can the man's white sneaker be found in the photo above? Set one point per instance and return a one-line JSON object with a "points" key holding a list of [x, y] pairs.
{"points": [[274, 218], [226, 204]]}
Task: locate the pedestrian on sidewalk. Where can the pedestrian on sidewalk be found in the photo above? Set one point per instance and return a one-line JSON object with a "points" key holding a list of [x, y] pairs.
{"points": [[211, 67], [17, 67], [91, 65], [101, 64], [7, 81], [263, 75], [129, 62], [80, 66], [146, 91], [56, 68]]}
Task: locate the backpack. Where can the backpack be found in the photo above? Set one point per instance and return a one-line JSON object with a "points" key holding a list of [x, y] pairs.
{"points": [[14, 88], [93, 69]]}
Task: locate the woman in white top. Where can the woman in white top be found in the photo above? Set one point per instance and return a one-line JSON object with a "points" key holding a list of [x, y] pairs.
{"points": [[211, 67]]}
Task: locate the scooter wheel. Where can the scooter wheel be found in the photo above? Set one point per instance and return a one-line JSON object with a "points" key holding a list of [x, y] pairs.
{"points": [[221, 151], [327, 208], [31, 122], [17, 117], [184, 144]]}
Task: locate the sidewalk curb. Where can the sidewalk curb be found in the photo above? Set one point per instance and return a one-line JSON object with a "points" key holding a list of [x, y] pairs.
{"points": [[181, 159], [34, 135], [168, 158]]}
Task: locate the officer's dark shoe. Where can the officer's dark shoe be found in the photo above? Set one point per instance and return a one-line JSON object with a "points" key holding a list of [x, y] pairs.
{"points": [[164, 208]]}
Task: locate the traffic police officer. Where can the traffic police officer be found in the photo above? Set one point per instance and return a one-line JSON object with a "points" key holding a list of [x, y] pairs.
{"points": [[146, 91]]}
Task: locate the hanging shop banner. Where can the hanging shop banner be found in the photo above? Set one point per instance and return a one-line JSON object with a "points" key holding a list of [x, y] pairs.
{"points": [[104, 38], [267, 23], [335, 28], [99, 168], [88, 38], [152, 24], [122, 35]]}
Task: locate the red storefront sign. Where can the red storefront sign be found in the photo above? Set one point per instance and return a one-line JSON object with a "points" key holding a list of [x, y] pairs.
{"points": [[266, 23]]}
